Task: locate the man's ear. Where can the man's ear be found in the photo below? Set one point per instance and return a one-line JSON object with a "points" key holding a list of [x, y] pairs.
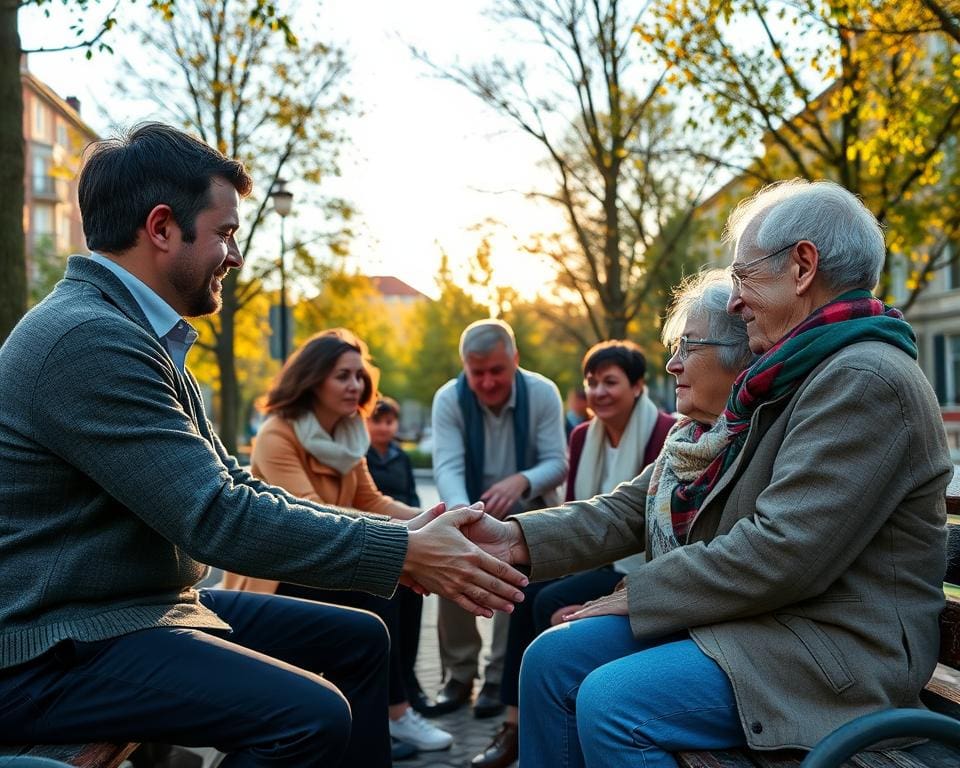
{"points": [[159, 226], [806, 261]]}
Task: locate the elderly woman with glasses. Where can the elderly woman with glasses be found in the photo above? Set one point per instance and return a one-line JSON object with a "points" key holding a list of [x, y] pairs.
{"points": [[795, 550]]}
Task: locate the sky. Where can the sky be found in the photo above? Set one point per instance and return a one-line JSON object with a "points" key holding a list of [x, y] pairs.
{"points": [[427, 161]]}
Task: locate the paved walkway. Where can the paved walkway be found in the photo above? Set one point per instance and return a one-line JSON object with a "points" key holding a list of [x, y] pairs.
{"points": [[470, 735]]}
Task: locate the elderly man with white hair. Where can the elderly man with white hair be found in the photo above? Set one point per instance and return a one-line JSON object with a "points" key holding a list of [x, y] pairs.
{"points": [[797, 583]]}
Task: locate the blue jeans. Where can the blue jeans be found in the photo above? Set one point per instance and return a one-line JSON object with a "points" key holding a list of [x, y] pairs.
{"points": [[593, 695]]}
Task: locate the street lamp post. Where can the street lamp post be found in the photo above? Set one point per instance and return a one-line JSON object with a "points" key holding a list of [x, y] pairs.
{"points": [[282, 203]]}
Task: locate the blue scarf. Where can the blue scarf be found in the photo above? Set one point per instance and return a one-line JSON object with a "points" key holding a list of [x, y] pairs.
{"points": [[473, 440]]}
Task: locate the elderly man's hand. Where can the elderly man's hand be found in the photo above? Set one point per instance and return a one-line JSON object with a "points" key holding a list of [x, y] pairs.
{"points": [[615, 604], [502, 539], [441, 559], [500, 497]]}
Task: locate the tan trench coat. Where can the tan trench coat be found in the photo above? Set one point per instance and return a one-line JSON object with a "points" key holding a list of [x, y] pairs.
{"points": [[280, 459]]}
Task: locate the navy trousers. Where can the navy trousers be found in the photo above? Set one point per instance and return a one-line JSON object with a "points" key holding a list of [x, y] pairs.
{"points": [[387, 609], [295, 683], [532, 616]]}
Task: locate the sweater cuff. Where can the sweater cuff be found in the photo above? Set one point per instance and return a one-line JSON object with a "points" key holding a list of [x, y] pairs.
{"points": [[381, 561]]}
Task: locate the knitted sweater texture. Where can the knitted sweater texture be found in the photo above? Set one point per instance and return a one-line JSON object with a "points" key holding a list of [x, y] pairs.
{"points": [[115, 490]]}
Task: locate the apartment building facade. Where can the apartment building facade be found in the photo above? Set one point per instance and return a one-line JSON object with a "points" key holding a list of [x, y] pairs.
{"points": [[54, 138]]}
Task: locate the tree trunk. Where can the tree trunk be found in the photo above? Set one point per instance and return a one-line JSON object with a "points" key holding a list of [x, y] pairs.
{"points": [[13, 296], [226, 361]]}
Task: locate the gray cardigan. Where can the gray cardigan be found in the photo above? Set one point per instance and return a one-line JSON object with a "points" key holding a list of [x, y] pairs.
{"points": [[114, 488], [812, 572]]}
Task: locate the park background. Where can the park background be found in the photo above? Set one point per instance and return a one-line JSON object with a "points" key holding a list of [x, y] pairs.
{"points": [[557, 163]]}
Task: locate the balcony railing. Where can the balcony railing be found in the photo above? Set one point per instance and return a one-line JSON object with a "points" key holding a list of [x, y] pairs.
{"points": [[48, 187]]}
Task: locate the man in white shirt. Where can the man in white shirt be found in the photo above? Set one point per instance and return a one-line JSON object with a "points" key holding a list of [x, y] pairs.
{"points": [[499, 439]]}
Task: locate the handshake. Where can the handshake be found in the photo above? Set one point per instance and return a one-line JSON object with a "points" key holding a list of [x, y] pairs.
{"points": [[466, 556]]}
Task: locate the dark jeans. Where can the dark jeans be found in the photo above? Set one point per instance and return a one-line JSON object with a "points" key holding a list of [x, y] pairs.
{"points": [[388, 610], [532, 616], [255, 693]]}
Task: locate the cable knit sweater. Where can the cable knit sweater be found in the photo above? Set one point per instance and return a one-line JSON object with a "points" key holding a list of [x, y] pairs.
{"points": [[114, 488]]}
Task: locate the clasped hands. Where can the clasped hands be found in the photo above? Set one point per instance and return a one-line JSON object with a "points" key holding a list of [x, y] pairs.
{"points": [[466, 556]]}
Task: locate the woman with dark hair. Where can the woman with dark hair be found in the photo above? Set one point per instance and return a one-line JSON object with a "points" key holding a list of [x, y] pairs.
{"points": [[313, 444]]}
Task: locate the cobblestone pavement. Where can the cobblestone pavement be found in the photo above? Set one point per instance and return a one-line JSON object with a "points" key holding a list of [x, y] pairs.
{"points": [[470, 735]]}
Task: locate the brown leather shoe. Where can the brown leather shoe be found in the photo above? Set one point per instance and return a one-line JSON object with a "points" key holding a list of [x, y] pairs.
{"points": [[502, 751]]}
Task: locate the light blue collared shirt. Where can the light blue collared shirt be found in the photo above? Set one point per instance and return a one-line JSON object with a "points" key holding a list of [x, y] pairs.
{"points": [[176, 333]]}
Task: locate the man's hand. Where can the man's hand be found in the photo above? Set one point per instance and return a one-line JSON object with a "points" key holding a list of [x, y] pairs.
{"points": [[501, 538], [615, 604], [500, 497], [441, 559]]}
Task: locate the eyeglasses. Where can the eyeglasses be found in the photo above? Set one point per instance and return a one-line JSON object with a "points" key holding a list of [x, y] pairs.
{"points": [[681, 347], [738, 272]]}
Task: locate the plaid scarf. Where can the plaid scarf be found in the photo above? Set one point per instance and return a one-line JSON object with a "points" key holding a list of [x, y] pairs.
{"points": [[852, 317]]}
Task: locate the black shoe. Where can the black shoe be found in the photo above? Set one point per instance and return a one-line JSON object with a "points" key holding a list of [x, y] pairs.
{"points": [[418, 699], [488, 702], [400, 750], [451, 697]]}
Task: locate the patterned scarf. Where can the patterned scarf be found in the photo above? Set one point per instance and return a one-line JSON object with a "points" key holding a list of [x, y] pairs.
{"points": [[852, 317]]}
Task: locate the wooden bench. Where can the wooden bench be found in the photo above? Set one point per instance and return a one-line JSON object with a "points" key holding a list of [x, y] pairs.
{"points": [[942, 693], [78, 755]]}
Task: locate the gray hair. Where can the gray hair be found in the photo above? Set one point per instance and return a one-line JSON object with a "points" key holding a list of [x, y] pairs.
{"points": [[846, 234], [482, 336], [704, 296]]}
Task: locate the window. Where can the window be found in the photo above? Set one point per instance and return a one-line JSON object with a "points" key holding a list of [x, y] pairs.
{"points": [[953, 269], [39, 119], [946, 368], [63, 135], [63, 229], [43, 221], [43, 185]]}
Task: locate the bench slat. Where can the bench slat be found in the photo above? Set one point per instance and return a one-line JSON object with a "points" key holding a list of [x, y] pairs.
{"points": [[718, 759], [892, 759], [77, 755], [950, 632]]}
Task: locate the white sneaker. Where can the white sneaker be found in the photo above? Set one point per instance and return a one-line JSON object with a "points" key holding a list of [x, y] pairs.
{"points": [[412, 728]]}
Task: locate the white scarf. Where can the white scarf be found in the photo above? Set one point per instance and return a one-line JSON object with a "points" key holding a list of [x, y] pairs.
{"points": [[629, 454], [343, 450]]}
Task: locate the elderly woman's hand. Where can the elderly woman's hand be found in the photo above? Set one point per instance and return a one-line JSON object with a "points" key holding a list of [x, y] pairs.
{"points": [[615, 604]]}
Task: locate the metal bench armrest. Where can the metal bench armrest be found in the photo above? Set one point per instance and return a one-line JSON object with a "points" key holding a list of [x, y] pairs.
{"points": [[867, 730]]}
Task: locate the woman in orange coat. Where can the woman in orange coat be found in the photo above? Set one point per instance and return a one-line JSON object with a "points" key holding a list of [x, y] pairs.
{"points": [[313, 444]]}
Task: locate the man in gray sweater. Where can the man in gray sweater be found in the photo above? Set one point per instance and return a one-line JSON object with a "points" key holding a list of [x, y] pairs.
{"points": [[114, 490]]}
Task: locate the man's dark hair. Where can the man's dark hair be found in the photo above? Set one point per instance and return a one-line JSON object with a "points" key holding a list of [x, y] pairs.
{"points": [[624, 354], [124, 178]]}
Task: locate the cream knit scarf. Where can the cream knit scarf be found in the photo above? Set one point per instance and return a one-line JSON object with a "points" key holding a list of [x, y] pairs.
{"points": [[629, 453], [342, 450]]}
